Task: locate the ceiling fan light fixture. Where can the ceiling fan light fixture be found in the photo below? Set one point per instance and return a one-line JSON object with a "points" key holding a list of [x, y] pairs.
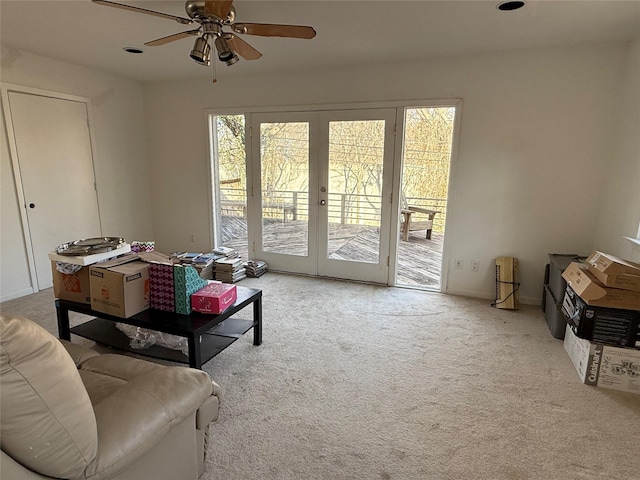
{"points": [[232, 60], [225, 54], [201, 52]]}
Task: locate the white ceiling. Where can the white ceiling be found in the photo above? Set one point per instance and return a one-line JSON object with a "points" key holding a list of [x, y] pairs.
{"points": [[351, 32]]}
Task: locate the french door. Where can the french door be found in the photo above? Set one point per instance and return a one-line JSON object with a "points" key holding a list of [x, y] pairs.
{"points": [[321, 192]]}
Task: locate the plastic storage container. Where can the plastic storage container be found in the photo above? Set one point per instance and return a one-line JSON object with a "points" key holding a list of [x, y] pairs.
{"points": [[558, 262], [553, 315]]}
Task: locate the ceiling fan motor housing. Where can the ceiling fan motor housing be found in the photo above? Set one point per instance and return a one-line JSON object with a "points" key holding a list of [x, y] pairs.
{"points": [[196, 9]]}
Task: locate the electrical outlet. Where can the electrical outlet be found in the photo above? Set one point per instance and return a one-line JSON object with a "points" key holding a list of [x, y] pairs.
{"points": [[458, 263], [475, 265], [193, 238]]}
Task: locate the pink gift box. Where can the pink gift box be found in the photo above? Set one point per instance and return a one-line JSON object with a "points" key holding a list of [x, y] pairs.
{"points": [[214, 298]]}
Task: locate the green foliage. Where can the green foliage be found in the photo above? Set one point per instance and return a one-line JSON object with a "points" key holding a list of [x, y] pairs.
{"points": [[427, 152], [356, 153]]}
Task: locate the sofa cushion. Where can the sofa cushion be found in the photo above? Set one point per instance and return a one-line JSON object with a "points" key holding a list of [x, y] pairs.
{"points": [[47, 421]]}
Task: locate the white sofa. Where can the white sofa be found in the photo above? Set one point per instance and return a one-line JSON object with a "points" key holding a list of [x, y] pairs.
{"points": [[69, 412]]}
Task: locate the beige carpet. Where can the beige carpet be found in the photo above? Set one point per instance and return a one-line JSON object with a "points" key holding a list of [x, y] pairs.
{"points": [[363, 382]]}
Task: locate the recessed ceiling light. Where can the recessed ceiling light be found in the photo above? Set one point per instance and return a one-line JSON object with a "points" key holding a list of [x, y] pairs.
{"points": [[509, 6], [132, 50]]}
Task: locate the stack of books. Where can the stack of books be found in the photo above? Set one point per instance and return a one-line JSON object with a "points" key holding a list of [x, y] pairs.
{"points": [[205, 265], [226, 252], [255, 268], [230, 270], [187, 258]]}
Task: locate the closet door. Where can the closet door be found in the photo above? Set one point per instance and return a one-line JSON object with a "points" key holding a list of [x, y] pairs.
{"points": [[53, 164]]}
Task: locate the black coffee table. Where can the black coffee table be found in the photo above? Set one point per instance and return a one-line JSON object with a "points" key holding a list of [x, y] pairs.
{"points": [[207, 335]]}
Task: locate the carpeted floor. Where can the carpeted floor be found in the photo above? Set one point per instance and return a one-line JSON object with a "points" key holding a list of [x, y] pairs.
{"points": [[355, 381]]}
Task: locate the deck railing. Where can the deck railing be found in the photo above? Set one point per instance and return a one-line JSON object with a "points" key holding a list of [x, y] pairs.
{"points": [[343, 208]]}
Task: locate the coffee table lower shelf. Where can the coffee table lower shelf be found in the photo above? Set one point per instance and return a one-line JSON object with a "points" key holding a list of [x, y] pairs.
{"points": [[214, 341]]}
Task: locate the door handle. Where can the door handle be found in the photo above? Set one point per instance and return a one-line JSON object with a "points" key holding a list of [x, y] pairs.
{"points": [[323, 202], [32, 205]]}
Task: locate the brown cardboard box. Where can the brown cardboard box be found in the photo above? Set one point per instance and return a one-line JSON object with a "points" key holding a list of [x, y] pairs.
{"points": [[602, 365], [73, 287], [120, 289], [614, 272], [593, 292]]}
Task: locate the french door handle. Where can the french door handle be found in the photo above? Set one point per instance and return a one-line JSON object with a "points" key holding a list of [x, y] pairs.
{"points": [[323, 202]]}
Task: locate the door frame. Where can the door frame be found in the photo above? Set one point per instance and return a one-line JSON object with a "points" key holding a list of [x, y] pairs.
{"points": [[400, 106], [5, 89]]}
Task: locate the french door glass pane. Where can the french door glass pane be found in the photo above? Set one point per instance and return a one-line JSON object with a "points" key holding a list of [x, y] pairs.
{"points": [[229, 149], [284, 159], [356, 154]]}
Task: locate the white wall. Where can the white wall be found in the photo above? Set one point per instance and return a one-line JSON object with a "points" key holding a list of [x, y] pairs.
{"points": [[536, 133], [121, 164], [531, 177], [619, 213]]}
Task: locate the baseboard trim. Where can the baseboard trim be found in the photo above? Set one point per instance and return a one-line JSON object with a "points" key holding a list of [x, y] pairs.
{"points": [[525, 300], [21, 293]]}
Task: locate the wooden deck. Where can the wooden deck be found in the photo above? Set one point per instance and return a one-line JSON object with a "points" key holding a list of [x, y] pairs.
{"points": [[419, 259]]}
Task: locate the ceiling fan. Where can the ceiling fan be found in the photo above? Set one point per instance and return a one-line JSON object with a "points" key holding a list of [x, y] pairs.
{"points": [[214, 16]]}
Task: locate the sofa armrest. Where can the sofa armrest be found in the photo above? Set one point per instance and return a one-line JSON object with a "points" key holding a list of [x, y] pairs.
{"points": [[139, 413], [208, 412]]}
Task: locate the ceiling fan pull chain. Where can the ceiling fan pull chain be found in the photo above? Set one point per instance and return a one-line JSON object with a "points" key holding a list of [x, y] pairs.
{"points": [[215, 77]]}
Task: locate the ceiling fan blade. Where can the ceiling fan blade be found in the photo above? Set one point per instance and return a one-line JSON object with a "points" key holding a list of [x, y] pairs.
{"points": [[242, 48], [107, 3], [274, 30], [219, 8], [171, 38]]}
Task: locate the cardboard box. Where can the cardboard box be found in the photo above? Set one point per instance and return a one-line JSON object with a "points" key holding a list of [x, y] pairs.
{"points": [[214, 298], [593, 292], [558, 262], [614, 272], [186, 281], [602, 365], [611, 326], [71, 286], [120, 289], [90, 259]]}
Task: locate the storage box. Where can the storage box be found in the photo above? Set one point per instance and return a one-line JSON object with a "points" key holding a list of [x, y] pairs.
{"points": [[71, 286], [614, 272], [186, 281], [610, 326], [214, 298], [602, 365], [558, 262], [161, 295], [120, 289], [582, 281], [553, 315]]}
